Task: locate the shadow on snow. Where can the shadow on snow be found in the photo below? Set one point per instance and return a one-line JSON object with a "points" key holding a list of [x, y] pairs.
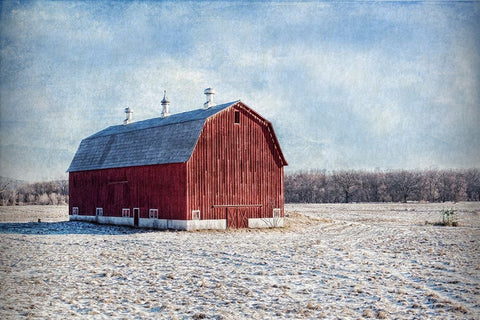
{"points": [[68, 227]]}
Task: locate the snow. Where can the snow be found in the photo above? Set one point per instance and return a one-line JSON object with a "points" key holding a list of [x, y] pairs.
{"points": [[33, 213], [331, 260]]}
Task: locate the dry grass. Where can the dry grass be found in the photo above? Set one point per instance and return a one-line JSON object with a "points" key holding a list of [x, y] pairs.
{"points": [[297, 221], [33, 213]]}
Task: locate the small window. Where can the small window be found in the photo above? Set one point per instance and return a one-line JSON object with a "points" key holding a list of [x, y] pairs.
{"points": [[75, 210], [237, 117], [99, 211], [196, 215], [153, 213], [126, 212], [277, 213]]}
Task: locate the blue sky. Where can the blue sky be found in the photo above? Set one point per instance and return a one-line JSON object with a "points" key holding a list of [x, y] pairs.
{"points": [[347, 85]]}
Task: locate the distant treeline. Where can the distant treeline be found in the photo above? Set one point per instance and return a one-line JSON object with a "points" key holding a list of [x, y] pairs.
{"points": [[389, 186], [310, 187], [14, 193]]}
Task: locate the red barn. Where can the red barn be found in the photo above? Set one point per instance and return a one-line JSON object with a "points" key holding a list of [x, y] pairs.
{"points": [[212, 168]]}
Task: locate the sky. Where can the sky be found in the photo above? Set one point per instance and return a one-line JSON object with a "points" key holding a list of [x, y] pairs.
{"points": [[348, 85]]}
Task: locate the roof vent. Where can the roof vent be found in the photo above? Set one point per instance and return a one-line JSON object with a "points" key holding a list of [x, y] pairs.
{"points": [[209, 92], [128, 118], [165, 105]]}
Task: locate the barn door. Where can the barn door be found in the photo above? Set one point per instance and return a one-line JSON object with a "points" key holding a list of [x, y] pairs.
{"points": [[237, 218], [231, 218], [136, 216], [243, 218]]}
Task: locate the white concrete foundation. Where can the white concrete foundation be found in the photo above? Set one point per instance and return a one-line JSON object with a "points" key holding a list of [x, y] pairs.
{"points": [[76, 217], [119, 221], [189, 225], [206, 224], [153, 223], [265, 223]]}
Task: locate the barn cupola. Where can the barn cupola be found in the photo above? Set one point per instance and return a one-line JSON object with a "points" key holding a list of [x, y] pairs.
{"points": [[165, 105], [209, 92], [128, 119]]}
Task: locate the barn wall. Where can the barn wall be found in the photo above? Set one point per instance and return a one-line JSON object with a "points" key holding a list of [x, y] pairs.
{"points": [[159, 187], [235, 164]]}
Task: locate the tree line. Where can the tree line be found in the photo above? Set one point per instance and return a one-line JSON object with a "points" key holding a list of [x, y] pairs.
{"points": [[14, 193], [315, 186], [382, 186]]}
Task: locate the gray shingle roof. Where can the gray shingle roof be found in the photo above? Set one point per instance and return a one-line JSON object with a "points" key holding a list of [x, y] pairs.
{"points": [[154, 141]]}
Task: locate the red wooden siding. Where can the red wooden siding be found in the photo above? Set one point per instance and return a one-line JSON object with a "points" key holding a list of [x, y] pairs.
{"points": [[161, 187], [235, 164]]}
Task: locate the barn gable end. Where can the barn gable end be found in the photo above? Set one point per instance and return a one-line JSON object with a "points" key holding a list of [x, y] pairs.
{"points": [[236, 170]]}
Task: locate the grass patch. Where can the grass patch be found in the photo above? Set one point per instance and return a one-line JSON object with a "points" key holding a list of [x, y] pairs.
{"points": [[449, 219]]}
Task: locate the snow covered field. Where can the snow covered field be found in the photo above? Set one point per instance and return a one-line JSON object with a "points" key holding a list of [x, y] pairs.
{"points": [[33, 213], [332, 260]]}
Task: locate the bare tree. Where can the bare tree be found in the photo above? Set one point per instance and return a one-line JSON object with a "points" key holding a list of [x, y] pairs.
{"points": [[452, 186], [35, 193], [430, 186], [4, 190], [472, 179], [362, 186], [371, 184], [43, 199], [62, 187], [406, 184], [305, 187], [4, 183], [347, 181], [13, 197]]}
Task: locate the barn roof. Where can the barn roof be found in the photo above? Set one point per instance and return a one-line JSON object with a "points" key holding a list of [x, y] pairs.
{"points": [[154, 141]]}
